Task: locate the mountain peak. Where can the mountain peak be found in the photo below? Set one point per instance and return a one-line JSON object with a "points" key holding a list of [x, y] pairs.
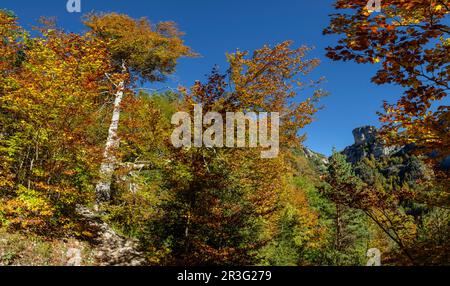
{"points": [[365, 134], [367, 143]]}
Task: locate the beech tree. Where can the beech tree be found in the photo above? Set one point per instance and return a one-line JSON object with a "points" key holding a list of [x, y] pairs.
{"points": [[410, 41], [226, 204], [139, 51], [268, 80], [51, 91], [10, 47]]}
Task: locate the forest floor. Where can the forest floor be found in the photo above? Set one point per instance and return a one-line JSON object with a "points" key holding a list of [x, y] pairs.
{"points": [[107, 248]]}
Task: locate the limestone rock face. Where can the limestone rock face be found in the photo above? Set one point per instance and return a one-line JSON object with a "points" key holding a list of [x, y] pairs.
{"points": [[310, 154], [367, 144], [365, 135]]}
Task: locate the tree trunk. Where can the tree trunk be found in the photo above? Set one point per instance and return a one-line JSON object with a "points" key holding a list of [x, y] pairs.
{"points": [[103, 188]]}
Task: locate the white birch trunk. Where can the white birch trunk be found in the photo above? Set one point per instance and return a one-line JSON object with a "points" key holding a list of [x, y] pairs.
{"points": [[103, 188]]}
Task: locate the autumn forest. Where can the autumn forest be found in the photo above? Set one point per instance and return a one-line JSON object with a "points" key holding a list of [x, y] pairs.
{"points": [[89, 174]]}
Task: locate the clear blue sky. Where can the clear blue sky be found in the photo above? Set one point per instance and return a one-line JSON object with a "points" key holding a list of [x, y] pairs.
{"points": [[214, 27]]}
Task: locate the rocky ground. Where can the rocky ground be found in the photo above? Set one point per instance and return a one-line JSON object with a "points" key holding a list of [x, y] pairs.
{"points": [[110, 248], [107, 248]]}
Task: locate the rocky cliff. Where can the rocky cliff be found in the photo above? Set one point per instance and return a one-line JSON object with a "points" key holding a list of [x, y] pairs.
{"points": [[368, 144], [315, 157]]}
